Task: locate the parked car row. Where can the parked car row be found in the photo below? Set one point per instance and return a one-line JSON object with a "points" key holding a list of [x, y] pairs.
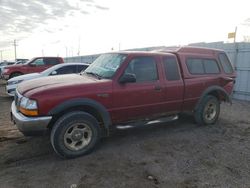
{"points": [[37, 64], [4, 64], [59, 69], [23, 70], [10, 63]]}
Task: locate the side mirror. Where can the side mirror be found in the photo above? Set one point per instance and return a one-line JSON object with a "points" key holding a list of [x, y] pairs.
{"points": [[54, 73], [127, 78]]}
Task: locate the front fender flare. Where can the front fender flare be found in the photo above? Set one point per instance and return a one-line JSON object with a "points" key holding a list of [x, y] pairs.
{"points": [[83, 102]]}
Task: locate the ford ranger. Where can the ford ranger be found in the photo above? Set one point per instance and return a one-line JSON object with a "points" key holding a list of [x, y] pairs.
{"points": [[122, 88]]}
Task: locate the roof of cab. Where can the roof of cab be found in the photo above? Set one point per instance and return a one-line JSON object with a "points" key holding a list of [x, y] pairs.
{"points": [[190, 49], [176, 50], [143, 52]]}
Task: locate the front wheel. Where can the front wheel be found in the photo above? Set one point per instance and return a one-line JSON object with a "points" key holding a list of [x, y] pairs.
{"points": [[208, 111], [75, 134]]}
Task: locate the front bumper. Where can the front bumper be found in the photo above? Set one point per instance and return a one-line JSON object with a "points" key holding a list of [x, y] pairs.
{"points": [[29, 125]]}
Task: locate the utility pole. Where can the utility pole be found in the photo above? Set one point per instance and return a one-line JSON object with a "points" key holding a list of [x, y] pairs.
{"points": [[79, 43], [235, 33], [1, 55], [119, 46], [15, 45], [66, 50]]}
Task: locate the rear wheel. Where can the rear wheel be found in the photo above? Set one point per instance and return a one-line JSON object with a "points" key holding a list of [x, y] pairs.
{"points": [[75, 134], [208, 110]]}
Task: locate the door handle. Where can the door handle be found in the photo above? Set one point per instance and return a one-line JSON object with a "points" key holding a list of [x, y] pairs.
{"points": [[158, 88]]}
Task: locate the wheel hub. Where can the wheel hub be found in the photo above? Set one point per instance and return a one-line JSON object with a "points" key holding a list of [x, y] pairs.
{"points": [[77, 135], [210, 111]]}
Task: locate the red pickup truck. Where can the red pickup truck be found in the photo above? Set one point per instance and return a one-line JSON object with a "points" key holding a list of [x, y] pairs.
{"points": [[37, 64], [123, 88]]}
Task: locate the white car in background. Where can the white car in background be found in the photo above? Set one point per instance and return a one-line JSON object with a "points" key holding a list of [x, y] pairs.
{"points": [[3, 65], [64, 68]]}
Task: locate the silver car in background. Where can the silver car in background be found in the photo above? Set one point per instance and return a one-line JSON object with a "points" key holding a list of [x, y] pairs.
{"points": [[64, 68]]}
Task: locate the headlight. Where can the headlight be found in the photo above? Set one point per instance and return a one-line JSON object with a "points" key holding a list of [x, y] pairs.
{"points": [[14, 82], [5, 70], [28, 107], [28, 103]]}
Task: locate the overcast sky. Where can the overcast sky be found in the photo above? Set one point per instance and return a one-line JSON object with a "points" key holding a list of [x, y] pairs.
{"points": [[68, 27]]}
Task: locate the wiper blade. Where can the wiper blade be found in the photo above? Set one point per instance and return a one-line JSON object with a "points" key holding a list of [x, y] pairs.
{"points": [[94, 74]]}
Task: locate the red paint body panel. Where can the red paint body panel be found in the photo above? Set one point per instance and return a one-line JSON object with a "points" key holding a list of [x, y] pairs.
{"points": [[52, 91]]}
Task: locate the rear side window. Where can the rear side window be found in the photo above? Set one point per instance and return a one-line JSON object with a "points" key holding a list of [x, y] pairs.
{"points": [[227, 67], [51, 61], [202, 66], [210, 66], [195, 66], [144, 68], [171, 68]]}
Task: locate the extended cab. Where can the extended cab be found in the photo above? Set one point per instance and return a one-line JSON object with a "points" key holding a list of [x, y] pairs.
{"points": [[37, 64], [121, 88]]}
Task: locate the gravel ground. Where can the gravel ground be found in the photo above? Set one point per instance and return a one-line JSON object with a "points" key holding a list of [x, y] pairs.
{"points": [[174, 154]]}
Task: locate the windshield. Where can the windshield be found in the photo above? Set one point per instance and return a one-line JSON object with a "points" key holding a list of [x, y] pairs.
{"points": [[29, 61], [106, 65]]}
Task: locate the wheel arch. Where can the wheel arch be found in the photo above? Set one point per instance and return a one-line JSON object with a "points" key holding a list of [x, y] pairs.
{"points": [[90, 106], [216, 91], [15, 72]]}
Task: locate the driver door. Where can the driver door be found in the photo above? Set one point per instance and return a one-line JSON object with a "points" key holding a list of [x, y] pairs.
{"points": [[143, 98], [38, 65]]}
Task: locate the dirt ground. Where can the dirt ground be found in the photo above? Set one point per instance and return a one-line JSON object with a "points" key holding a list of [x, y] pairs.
{"points": [[174, 154]]}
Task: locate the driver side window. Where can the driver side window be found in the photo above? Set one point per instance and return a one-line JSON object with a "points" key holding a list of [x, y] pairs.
{"points": [[144, 69], [38, 62]]}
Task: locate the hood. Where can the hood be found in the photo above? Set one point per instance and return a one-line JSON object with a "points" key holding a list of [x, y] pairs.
{"points": [[25, 77], [53, 83], [14, 66]]}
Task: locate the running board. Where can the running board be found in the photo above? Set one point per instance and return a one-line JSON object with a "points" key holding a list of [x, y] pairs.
{"points": [[145, 123]]}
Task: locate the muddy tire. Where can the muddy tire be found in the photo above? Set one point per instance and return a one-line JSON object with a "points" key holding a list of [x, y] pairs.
{"points": [[75, 134], [208, 111]]}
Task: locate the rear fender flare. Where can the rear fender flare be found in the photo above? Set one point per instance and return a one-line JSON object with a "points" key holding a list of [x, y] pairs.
{"points": [[216, 89]]}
